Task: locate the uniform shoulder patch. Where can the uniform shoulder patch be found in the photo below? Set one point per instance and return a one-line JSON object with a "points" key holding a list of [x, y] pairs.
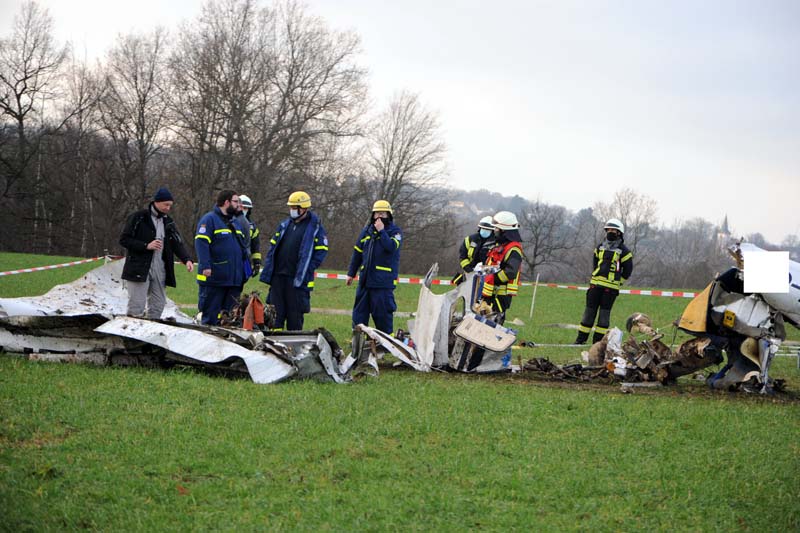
{"points": [[202, 228], [398, 237], [325, 241]]}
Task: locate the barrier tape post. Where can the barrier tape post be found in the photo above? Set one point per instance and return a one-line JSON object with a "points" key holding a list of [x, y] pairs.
{"points": [[535, 286]]}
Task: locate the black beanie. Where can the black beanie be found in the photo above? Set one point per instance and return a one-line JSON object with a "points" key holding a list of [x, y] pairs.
{"points": [[163, 195]]}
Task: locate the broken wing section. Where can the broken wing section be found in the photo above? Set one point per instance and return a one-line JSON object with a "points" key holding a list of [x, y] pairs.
{"points": [[55, 334], [200, 346]]}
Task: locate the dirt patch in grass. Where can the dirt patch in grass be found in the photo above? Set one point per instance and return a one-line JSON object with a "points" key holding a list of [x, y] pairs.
{"points": [[684, 387]]}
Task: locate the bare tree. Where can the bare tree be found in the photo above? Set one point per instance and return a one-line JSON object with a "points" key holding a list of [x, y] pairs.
{"points": [[638, 212], [133, 109], [548, 234], [257, 93], [406, 151], [84, 91], [687, 256], [29, 63], [406, 157], [317, 91]]}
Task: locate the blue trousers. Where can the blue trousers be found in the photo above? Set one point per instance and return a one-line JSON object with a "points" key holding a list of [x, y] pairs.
{"points": [[289, 301], [376, 302], [214, 300]]}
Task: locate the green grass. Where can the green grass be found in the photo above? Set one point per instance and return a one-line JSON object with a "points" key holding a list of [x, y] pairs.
{"points": [[133, 449], [123, 449]]}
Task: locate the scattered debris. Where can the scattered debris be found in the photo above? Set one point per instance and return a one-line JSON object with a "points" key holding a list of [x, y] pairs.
{"points": [[65, 325]]}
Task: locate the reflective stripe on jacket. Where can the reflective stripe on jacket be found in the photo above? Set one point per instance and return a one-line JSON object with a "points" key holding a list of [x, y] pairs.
{"points": [[376, 257], [508, 256], [219, 245], [313, 249], [611, 265], [474, 250]]}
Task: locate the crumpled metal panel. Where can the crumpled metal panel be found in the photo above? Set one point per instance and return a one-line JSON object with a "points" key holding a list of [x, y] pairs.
{"points": [[57, 334], [430, 328], [311, 353], [100, 291], [752, 315], [403, 352], [210, 349]]}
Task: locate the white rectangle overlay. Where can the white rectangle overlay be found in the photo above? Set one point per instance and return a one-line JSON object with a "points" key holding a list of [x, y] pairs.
{"points": [[766, 272]]}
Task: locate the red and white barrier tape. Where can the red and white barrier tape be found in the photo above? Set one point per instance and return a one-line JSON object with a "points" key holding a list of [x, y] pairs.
{"points": [[50, 267], [642, 292], [413, 281]]}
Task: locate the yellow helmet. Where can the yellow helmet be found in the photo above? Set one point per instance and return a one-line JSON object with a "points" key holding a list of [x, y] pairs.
{"points": [[300, 199], [382, 205]]}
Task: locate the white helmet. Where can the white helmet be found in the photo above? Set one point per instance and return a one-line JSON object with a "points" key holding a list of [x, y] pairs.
{"points": [[505, 220], [245, 201], [615, 223], [486, 223]]}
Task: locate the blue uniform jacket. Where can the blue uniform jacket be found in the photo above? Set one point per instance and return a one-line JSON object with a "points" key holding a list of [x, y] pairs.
{"points": [[376, 257], [313, 250], [219, 249]]}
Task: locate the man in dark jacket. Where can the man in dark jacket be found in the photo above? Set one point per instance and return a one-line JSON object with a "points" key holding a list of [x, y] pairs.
{"points": [[376, 261], [223, 265], [151, 239], [612, 264], [299, 245]]}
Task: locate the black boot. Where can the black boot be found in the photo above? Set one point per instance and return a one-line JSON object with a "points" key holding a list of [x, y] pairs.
{"points": [[581, 338], [597, 337]]}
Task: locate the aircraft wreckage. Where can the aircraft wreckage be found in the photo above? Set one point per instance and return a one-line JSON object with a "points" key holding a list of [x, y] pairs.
{"points": [[84, 321], [748, 327]]}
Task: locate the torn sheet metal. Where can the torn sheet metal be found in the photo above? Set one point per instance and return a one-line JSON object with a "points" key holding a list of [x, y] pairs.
{"points": [[55, 334], [100, 291], [396, 348], [459, 340], [315, 353], [199, 346]]}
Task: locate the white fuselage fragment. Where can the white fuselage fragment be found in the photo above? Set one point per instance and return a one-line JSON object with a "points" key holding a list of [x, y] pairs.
{"points": [[203, 347]]}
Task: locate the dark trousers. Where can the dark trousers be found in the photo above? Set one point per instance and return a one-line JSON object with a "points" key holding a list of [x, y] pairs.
{"points": [[214, 300], [601, 298], [376, 302], [501, 304], [290, 303]]}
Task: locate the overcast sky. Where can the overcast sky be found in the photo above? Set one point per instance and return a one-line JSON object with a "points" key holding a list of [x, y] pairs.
{"points": [[694, 103]]}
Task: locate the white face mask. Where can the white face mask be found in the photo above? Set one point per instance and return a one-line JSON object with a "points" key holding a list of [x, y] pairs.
{"points": [[294, 213], [485, 233]]}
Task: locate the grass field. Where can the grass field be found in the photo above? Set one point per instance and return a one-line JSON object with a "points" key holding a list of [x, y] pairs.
{"points": [[132, 449]]}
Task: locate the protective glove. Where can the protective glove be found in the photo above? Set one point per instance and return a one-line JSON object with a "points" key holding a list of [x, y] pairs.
{"points": [[256, 267]]}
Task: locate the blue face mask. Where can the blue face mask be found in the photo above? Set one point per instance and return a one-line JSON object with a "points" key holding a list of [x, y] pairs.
{"points": [[484, 233], [294, 213]]}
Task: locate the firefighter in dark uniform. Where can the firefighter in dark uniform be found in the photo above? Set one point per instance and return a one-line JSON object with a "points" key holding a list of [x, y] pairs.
{"points": [[221, 255], [475, 248], [299, 245], [612, 264], [253, 236], [499, 288], [376, 261]]}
